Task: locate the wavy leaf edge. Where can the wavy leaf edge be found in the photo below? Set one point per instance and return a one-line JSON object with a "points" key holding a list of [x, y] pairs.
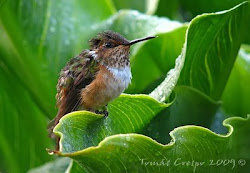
{"points": [[226, 123]]}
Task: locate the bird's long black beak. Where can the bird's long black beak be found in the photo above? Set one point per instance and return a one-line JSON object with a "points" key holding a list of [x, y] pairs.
{"points": [[139, 40]]}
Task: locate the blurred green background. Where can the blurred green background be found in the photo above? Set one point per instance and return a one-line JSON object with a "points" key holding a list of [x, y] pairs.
{"points": [[38, 37]]}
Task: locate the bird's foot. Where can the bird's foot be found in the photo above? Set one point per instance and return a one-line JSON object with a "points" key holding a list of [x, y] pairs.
{"points": [[103, 112]]}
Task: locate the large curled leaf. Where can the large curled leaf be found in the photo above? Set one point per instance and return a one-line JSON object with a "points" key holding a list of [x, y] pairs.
{"points": [[128, 114], [193, 149]]}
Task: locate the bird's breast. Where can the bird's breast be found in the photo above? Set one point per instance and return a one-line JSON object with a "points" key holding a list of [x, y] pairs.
{"points": [[110, 82]]}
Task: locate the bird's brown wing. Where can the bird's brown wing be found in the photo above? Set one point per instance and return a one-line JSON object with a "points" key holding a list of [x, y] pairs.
{"points": [[77, 74]]}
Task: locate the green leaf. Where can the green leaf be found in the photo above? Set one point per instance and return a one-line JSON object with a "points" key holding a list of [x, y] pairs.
{"points": [[236, 95], [127, 114], [134, 152], [213, 42]]}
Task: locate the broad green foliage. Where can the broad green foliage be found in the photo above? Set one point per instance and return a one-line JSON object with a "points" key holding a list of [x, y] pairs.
{"points": [[189, 143], [38, 37]]}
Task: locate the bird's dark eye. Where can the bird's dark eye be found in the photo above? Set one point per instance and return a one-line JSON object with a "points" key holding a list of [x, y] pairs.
{"points": [[108, 45]]}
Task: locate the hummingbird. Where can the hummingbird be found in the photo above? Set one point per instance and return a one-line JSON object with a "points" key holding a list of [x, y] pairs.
{"points": [[95, 77]]}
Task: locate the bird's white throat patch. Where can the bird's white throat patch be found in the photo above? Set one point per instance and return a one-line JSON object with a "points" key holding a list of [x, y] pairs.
{"points": [[123, 75]]}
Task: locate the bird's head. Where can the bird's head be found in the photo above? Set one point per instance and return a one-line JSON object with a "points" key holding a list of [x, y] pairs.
{"points": [[110, 47]]}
